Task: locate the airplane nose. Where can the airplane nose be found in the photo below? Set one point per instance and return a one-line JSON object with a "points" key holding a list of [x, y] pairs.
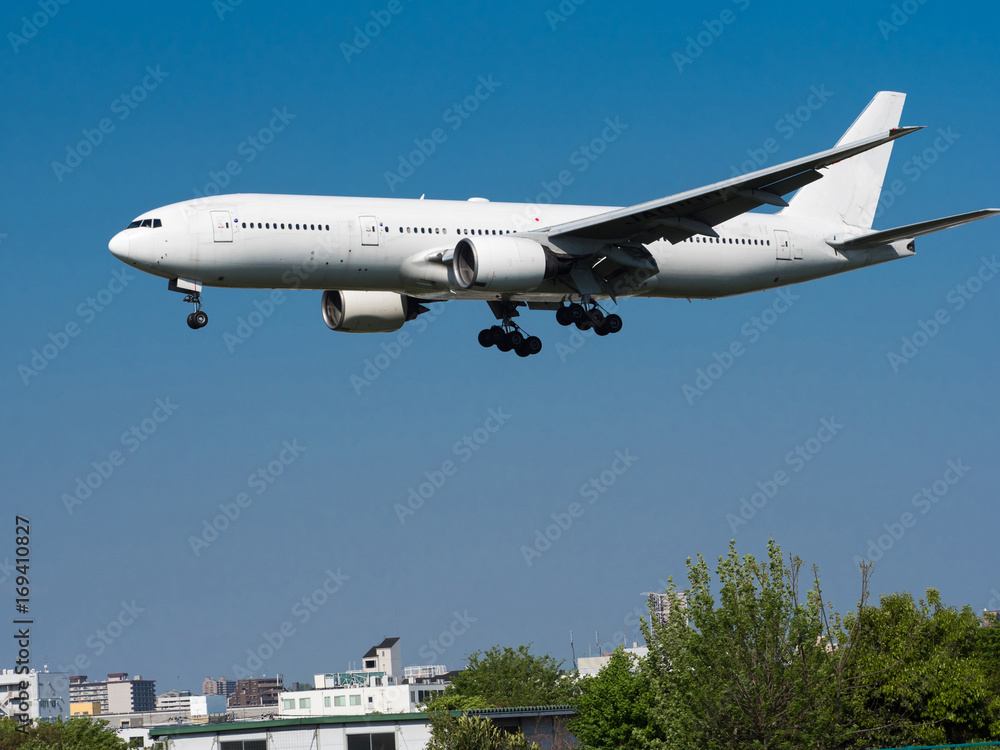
{"points": [[119, 246]]}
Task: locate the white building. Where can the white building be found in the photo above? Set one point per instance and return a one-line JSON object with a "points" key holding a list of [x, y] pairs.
{"points": [[424, 672], [591, 665], [546, 726], [195, 707], [174, 700], [378, 687], [43, 696], [351, 700]]}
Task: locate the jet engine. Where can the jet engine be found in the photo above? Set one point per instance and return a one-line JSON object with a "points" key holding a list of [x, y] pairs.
{"points": [[368, 312], [502, 264]]}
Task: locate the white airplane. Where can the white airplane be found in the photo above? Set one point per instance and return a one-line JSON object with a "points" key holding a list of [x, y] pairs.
{"points": [[381, 261]]}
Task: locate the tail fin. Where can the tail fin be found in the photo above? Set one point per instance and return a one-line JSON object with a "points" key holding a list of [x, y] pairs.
{"points": [[849, 190]]}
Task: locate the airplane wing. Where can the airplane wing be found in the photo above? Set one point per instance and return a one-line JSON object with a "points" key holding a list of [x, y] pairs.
{"points": [[678, 217], [911, 231]]}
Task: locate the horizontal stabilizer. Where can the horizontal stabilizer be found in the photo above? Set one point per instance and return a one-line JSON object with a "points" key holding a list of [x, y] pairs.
{"points": [[910, 231]]}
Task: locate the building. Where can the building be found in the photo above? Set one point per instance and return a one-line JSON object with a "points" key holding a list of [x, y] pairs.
{"points": [[117, 695], [380, 687], [385, 658], [257, 692], [359, 693], [409, 731], [591, 665], [174, 700], [40, 696], [424, 672], [221, 686], [92, 708]]}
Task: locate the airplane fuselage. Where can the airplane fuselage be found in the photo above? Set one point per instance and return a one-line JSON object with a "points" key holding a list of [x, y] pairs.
{"points": [[402, 246]]}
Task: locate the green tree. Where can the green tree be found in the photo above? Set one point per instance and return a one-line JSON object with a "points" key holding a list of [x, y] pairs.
{"points": [[613, 708], [924, 673], [473, 733], [504, 676], [755, 671], [77, 733]]}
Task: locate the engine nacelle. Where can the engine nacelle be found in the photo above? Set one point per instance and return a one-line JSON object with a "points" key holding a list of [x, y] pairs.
{"points": [[502, 264], [367, 312]]}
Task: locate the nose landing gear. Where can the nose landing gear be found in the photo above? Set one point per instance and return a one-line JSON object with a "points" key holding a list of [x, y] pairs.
{"points": [[199, 318]]}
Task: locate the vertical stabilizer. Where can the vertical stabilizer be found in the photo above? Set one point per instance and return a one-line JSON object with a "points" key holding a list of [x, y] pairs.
{"points": [[849, 190]]}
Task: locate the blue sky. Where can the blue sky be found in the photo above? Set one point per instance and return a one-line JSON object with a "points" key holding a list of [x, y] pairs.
{"points": [[310, 466]]}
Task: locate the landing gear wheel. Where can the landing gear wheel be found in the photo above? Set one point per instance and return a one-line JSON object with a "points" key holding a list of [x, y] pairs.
{"points": [[596, 318], [504, 344], [613, 323], [533, 344], [522, 350], [577, 313], [200, 319], [602, 330], [583, 325], [564, 316], [486, 338], [191, 322], [497, 334], [515, 338]]}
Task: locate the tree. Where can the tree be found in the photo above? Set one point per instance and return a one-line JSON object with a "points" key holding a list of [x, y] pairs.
{"points": [[504, 676], [757, 670], [473, 733], [613, 708], [925, 674], [77, 733]]}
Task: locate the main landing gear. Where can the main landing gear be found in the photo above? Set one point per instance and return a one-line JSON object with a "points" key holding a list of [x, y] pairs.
{"points": [[584, 319], [509, 337], [199, 318]]}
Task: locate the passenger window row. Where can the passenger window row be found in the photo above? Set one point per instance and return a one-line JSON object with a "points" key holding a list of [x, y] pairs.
{"points": [[728, 240], [275, 225], [437, 230]]}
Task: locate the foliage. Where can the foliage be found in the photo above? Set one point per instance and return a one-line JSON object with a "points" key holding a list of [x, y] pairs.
{"points": [[77, 733], [506, 677], [452, 701], [924, 672], [473, 733], [613, 707], [754, 671]]}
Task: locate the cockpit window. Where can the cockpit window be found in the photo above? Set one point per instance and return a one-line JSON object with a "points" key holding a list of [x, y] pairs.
{"points": [[157, 223], [148, 223], [133, 225]]}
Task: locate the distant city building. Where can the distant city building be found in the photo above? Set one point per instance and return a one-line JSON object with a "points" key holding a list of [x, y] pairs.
{"points": [[659, 605], [42, 696], [591, 665], [174, 700], [85, 709], [378, 687], [385, 658], [262, 691], [425, 672], [991, 617], [117, 695], [221, 686]]}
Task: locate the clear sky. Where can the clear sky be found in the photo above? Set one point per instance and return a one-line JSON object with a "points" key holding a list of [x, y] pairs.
{"points": [[115, 108]]}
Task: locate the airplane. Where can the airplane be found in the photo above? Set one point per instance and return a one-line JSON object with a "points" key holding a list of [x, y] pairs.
{"points": [[381, 261]]}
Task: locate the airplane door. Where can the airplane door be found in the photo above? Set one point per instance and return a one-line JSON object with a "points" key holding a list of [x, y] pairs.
{"points": [[784, 246], [369, 230], [222, 226]]}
